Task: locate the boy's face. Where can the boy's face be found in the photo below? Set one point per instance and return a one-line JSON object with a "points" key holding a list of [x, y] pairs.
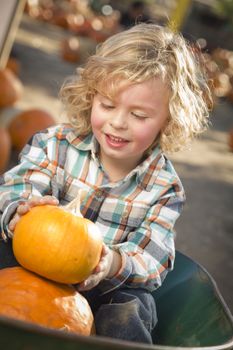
{"points": [[126, 126]]}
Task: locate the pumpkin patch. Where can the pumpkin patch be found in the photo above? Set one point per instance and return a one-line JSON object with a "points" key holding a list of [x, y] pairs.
{"points": [[11, 88], [5, 147], [28, 297], [25, 124]]}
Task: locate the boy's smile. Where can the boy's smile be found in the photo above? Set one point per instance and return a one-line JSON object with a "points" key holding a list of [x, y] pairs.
{"points": [[115, 141], [126, 126]]}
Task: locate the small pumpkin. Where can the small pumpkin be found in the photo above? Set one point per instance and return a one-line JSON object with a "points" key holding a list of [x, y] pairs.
{"points": [[13, 65], [25, 124], [70, 49], [57, 243], [28, 297], [11, 88], [230, 140], [5, 147]]}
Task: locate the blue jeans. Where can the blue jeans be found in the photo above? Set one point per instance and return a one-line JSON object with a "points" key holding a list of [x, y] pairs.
{"points": [[125, 313]]}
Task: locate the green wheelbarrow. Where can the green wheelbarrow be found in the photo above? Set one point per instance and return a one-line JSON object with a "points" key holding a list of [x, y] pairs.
{"points": [[192, 315]]}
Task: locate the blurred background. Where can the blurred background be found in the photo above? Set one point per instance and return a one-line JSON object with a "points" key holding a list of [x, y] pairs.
{"points": [[42, 42]]}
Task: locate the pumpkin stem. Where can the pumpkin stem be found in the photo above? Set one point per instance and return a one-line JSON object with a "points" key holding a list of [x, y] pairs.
{"points": [[74, 205]]}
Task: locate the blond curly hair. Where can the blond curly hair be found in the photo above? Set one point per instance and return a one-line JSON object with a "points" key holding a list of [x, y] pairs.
{"points": [[136, 55]]}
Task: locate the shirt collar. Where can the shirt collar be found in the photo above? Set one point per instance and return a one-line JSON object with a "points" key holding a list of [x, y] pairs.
{"points": [[149, 169], [81, 142], [84, 143], [146, 172]]}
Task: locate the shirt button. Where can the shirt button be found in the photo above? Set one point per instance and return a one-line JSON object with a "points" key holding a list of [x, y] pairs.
{"points": [[125, 215], [98, 193]]}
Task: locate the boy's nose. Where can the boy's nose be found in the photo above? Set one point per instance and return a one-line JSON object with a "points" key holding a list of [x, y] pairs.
{"points": [[119, 121]]}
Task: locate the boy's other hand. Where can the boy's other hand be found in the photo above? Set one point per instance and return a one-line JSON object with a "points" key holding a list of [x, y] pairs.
{"points": [[109, 264]]}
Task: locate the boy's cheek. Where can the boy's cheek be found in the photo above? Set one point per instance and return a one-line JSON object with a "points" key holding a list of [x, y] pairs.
{"points": [[147, 135], [96, 119]]}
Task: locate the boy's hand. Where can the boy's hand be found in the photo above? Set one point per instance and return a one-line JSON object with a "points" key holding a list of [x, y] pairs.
{"points": [[109, 264], [24, 207]]}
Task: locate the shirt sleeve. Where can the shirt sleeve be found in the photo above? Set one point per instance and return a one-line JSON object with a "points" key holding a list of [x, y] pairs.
{"points": [[31, 177], [149, 253]]}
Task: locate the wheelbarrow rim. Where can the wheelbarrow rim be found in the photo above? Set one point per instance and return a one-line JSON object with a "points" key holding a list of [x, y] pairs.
{"points": [[104, 342]]}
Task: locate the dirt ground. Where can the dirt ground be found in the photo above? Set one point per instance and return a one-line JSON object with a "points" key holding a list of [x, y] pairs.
{"points": [[205, 229]]}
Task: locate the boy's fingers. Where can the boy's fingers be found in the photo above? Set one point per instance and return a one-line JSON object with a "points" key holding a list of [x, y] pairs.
{"points": [[33, 201], [105, 250], [89, 283], [22, 209], [97, 269], [13, 222], [50, 200], [82, 286], [43, 200]]}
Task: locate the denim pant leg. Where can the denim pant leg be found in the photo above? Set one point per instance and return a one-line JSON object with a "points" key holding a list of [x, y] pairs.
{"points": [[127, 314], [7, 258]]}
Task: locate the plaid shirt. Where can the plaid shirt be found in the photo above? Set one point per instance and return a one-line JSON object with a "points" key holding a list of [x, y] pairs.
{"points": [[136, 215]]}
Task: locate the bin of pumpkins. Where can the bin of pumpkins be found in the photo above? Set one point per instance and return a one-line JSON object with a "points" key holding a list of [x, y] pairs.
{"points": [[230, 140], [5, 147], [10, 86], [56, 248], [25, 124]]}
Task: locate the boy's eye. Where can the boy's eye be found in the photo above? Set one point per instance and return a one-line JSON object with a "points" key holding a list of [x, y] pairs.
{"points": [[107, 106], [139, 116]]}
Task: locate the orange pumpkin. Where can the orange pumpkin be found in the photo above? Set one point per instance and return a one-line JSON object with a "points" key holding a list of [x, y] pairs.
{"points": [[70, 49], [57, 243], [14, 65], [230, 95], [5, 147], [26, 124], [11, 88], [230, 140], [28, 297]]}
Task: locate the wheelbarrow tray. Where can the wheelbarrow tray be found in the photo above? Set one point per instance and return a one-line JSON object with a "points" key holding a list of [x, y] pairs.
{"points": [[191, 311]]}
